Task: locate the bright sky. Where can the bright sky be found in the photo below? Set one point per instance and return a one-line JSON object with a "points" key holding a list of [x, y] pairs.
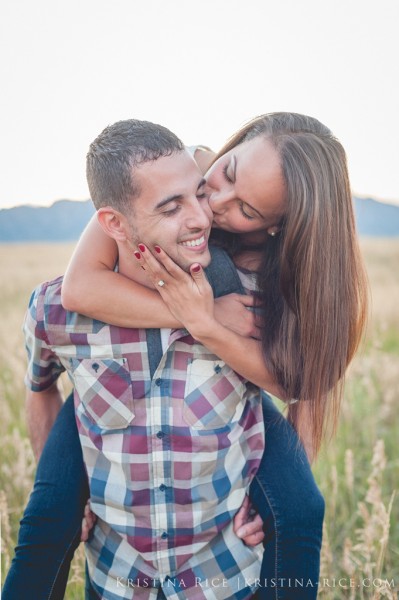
{"points": [[202, 68]]}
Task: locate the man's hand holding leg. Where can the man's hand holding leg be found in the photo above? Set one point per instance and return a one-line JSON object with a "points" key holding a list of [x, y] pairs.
{"points": [[41, 411], [248, 525]]}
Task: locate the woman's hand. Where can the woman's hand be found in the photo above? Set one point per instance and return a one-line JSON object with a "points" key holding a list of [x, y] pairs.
{"points": [[188, 296], [232, 311]]}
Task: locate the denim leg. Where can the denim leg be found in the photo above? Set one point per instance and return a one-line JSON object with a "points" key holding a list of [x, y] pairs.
{"points": [[292, 508], [51, 524]]}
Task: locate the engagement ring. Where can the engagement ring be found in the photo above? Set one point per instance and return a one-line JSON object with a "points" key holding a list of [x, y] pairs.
{"points": [[161, 283]]}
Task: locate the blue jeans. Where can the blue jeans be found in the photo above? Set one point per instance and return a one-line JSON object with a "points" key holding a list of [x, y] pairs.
{"points": [[292, 508], [50, 528], [283, 491]]}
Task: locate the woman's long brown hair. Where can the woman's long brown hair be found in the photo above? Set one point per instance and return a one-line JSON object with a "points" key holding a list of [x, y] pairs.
{"points": [[312, 281]]}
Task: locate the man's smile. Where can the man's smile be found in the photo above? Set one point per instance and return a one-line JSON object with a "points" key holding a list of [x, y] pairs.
{"points": [[196, 243]]}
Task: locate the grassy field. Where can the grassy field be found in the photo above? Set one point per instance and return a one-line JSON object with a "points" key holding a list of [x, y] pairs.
{"points": [[358, 472]]}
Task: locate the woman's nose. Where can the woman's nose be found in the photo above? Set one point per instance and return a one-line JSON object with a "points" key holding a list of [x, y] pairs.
{"points": [[218, 202]]}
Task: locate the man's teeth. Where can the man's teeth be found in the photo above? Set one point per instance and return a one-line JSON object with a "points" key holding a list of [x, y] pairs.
{"points": [[192, 243]]}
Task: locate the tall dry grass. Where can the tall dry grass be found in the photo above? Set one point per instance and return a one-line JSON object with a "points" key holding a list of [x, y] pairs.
{"points": [[22, 267], [358, 473]]}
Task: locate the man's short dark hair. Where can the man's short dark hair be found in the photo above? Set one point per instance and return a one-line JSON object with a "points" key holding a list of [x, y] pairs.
{"points": [[116, 151]]}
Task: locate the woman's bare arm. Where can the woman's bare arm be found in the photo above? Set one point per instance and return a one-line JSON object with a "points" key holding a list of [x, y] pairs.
{"points": [[92, 288], [204, 157], [244, 355]]}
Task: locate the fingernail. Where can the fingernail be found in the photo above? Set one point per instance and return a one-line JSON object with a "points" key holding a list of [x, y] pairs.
{"points": [[142, 247], [137, 255], [196, 268], [157, 249]]}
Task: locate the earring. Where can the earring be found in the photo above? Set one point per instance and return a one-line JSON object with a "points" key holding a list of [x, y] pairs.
{"points": [[273, 230]]}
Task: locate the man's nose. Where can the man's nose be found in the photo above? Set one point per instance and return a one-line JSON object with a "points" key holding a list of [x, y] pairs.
{"points": [[200, 215]]}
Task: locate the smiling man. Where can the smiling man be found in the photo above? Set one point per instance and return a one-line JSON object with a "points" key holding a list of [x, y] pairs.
{"points": [[170, 208], [171, 436]]}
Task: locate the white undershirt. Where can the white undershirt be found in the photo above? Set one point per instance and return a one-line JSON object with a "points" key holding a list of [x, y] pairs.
{"points": [[165, 333]]}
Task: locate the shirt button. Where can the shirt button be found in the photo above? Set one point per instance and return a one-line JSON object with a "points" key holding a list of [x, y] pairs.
{"points": [[158, 382], [160, 435], [163, 487], [164, 536], [217, 369]]}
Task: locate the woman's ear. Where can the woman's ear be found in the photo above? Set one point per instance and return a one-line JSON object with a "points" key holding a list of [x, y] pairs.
{"points": [[113, 223], [273, 230]]}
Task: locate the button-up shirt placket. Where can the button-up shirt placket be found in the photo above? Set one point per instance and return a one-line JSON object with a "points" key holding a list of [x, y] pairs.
{"points": [[158, 410]]}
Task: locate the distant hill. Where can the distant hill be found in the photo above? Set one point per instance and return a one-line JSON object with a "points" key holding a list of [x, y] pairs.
{"points": [[376, 219], [65, 220]]}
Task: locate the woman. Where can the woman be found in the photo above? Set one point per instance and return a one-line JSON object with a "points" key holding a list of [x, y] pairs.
{"points": [[280, 194], [280, 189]]}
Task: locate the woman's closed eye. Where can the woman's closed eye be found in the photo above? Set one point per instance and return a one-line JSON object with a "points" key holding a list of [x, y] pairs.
{"points": [[227, 173], [244, 209]]}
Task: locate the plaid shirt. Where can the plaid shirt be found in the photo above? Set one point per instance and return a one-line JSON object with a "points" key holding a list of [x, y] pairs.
{"points": [[169, 457]]}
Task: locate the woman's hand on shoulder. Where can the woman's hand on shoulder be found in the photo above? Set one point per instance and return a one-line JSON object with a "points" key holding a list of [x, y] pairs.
{"points": [[204, 157], [232, 312]]}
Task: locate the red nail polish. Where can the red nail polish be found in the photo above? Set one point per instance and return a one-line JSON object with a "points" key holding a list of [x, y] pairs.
{"points": [[137, 255], [196, 268], [142, 247], [157, 249]]}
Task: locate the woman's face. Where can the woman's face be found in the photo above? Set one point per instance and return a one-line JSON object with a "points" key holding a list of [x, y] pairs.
{"points": [[247, 188]]}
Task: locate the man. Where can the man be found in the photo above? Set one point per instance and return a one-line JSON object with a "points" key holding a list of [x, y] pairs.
{"points": [[171, 437]]}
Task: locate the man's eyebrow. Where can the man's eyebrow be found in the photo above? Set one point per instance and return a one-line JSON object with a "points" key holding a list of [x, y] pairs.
{"points": [[176, 197]]}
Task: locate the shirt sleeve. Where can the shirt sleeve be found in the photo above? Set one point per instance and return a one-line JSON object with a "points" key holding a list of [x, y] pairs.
{"points": [[222, 273], [44, 367]]}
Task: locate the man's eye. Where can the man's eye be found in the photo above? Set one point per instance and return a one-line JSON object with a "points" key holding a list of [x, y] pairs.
{"points": [[172, 211], [202, 196]]}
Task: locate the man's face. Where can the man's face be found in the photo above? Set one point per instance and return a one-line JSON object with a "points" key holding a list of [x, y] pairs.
{"points": [[172, 209]]}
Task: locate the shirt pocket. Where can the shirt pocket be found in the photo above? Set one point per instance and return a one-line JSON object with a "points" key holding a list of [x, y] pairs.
{"points": [[105, 389], [214, 395]]}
